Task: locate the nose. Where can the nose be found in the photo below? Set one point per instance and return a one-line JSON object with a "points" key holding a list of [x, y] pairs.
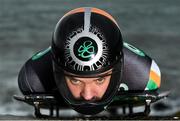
{"points": [[88, 93]]}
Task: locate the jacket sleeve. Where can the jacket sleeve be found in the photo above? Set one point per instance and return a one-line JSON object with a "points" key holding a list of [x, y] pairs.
{"points": [[28, 80], [140, 71], [36, 74], [154, 81]]}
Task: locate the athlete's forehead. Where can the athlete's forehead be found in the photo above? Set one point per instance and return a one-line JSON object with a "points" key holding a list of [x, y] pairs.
{"points": [[86, 80]]}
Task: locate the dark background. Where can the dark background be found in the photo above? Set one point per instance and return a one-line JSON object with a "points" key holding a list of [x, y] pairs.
{"points": [[26, 27]]}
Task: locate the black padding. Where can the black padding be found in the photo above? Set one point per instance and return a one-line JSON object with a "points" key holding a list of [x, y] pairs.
{"points": [[136, 70], [36, 76]]}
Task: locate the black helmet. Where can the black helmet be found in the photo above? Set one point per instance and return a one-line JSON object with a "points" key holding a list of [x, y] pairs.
{"points": [[87, 42]]}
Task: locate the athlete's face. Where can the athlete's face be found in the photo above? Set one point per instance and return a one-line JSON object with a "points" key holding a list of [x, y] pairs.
{"points": [[88, 88]]}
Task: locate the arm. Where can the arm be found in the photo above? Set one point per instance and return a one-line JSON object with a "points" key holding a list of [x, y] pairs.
{"points": [[140, 71], [36, 74]]}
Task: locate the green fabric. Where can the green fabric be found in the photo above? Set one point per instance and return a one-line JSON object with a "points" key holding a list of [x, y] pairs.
{"points": [[134, 49], [40, 54], [151, 85]]}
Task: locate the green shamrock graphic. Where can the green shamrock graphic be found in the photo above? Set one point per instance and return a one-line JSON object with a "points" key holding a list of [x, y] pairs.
{"points": [[86, 50]]}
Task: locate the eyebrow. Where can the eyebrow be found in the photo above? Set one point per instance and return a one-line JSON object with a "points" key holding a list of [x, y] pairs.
{"points": [[71, 77]]}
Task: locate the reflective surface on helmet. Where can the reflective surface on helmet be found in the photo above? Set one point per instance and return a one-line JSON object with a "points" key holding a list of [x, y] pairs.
{"points": [[83, 41], [77, 10], [86, 51], [87, 43]]}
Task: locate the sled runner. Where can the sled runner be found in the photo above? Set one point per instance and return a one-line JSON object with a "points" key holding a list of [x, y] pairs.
{"points": [[123, 100]]}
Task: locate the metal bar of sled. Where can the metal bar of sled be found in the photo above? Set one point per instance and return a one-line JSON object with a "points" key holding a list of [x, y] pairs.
{"points": [[57, 111], [37, 109], [51, 110], [130, 109], [124, 109], [147, 107]]}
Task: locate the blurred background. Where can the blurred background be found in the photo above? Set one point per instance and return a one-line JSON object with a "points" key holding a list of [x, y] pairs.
{"points": [[26, 27]]}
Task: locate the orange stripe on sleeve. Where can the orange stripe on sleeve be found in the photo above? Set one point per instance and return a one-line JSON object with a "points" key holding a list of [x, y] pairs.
{"points": [[156, 78]]}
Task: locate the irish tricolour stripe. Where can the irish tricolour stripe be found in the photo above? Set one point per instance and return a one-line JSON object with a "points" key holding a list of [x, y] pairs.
{"points": [[154, 77]]}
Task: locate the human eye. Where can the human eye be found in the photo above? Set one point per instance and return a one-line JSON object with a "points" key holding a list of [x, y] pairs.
{"points": [[100, 80], [75, 82]]}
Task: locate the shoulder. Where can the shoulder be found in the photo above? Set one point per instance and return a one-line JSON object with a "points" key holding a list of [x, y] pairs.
{"points": [[130, 49], [38, 61], [36, 75], [140, 71]]}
